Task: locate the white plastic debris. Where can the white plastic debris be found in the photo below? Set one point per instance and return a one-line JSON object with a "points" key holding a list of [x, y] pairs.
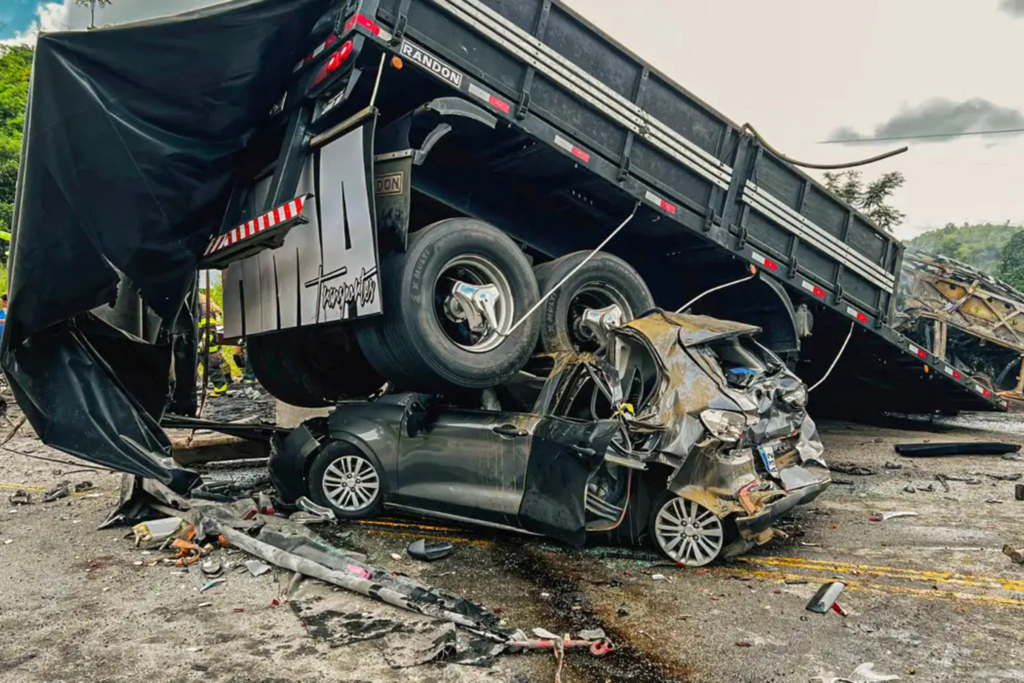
{"points": [[659, 577], [886, 516], [257, 568], [395, 556], [865, 673], [157, 530]]}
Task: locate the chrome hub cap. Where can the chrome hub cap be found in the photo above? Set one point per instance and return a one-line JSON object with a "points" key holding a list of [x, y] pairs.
{"points": [[351, 483], [473, 302], [689, 532]]}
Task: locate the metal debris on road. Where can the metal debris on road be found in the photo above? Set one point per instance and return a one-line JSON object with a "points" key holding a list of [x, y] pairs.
{"points": [[1005, 477], [1018, 492], [211, 567], [61, 490], [1015, 554], [851, 469], [909, 489], [826, 596], [943, 479], [83, 486], [893, 466], [886, 516], [306, 505], [20, 497]]}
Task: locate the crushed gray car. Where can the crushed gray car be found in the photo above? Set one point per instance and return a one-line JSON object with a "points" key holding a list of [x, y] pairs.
{"points": [[681, 429]]}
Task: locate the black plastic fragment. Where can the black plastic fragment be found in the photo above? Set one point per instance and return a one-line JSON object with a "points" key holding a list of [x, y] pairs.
{"points": [[428, 551], [933, 450]]}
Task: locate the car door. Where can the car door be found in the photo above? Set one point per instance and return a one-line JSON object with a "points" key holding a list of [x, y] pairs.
{"points": [[465, 463]]}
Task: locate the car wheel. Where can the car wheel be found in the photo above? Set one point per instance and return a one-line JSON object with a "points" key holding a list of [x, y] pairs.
{"points": [[347, 481], [687, 531], [312, 367], [603, 281], [426, 339]]}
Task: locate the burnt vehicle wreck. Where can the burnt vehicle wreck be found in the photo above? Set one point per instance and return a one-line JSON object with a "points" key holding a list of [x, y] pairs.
{"points": [[681, 429]]}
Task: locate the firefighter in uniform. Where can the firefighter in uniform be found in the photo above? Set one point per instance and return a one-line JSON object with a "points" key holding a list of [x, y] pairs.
{"points": [[209, 341]]}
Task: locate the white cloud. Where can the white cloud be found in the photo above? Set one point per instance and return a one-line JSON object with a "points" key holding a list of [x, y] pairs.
{"points": [[50, 16]]}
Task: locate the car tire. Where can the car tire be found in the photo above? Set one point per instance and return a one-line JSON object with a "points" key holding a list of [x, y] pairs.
{"points": [[419, 342], [686, 531], [359, 496], [312, 367], [601, 282]]}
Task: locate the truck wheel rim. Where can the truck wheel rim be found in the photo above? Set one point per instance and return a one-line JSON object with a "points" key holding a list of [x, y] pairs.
{"points": [[473, 269], [593, 296], [351, 483], [688, 532]]}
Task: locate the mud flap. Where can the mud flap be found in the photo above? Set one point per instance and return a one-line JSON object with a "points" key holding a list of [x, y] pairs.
{"points": [[563, 456]]}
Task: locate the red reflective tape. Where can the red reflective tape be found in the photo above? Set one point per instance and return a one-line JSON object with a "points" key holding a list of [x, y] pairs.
{"points": [[957, 375], [288, 210], [986, 393], [771, 265], [921, 353], [581, 155], [500, 105], [299, 204], [863, 318], [276, 217], [819, 292], [668, 207], [365, 22]]}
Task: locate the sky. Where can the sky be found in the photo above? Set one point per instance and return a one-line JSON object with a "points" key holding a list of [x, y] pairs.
{"points": [[804, 72]]}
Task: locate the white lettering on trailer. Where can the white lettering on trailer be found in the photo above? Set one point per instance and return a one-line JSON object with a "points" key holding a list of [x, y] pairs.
{"points": [[431, 64]]}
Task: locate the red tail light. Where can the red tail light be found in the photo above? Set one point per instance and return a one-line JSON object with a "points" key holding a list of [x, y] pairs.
{"points": [[333, 64]]}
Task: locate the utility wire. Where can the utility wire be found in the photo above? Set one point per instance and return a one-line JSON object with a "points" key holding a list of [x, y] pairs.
{"points": [[924, 136]]}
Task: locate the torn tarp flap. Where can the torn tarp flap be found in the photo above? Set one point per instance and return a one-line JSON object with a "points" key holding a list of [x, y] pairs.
{"points": [[132, 136], [74, 403]]}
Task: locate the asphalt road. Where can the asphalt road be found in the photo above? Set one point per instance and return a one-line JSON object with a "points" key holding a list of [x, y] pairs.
{"points": [[929, 597]]}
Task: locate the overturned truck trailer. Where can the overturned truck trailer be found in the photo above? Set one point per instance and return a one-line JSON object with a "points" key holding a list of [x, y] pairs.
{"points": [[966, 316], [406, 190]]}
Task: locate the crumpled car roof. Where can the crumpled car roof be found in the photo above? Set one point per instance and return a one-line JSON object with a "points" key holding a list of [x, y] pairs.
{"points": [[663, 328]]}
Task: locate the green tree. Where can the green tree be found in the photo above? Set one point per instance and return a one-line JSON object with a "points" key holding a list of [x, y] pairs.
{"points": [[1011, 261], [15, 68], [871, 198], [976, 245]]}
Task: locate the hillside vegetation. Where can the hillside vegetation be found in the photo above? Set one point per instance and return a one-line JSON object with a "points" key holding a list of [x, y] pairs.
{"points": [[978, 245]]}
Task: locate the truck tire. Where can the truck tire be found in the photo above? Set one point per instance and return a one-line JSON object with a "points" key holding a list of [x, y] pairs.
{"points": [[312, 367], [423, 341], [603, 281]]}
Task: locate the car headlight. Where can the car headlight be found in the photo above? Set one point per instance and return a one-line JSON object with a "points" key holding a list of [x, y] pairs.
{"points": [[726, 425]]}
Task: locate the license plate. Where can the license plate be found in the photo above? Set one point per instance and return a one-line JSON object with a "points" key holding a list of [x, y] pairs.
{"points": [[767, 454]]}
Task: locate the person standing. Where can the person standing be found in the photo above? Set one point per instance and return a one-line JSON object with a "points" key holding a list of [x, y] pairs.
{"points": [[209, 343], [3, 315]]}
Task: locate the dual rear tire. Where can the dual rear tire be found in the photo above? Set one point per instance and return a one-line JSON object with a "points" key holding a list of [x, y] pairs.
{"points": [[426, 340]]}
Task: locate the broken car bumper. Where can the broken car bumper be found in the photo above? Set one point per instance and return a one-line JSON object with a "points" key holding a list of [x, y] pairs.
{"points": [[753, 525]]}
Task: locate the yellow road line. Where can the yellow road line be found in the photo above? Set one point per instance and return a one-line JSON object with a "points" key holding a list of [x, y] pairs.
{"points": [[451, 539], [404, 525], [925, 576], [884, 588]]}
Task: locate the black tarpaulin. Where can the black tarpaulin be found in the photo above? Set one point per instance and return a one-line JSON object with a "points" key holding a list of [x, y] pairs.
{"points": [[132, 135]]}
